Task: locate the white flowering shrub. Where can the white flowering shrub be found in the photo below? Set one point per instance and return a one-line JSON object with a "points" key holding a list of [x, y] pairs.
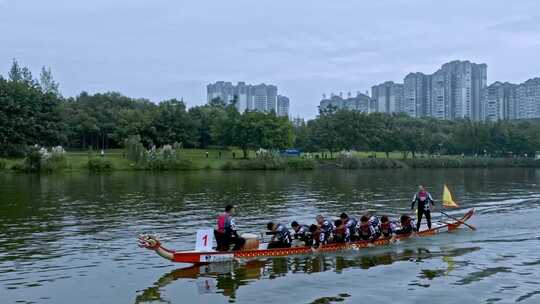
{"points": [[40, 159]]}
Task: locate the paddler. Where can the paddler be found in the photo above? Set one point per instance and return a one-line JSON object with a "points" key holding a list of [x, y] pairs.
{"points": [[341, 233], [366, 230], [425, 202], [281, 237], [327, 229], [350, 224], [407, 225], [388, 228], [317, 236], [373, 220], [226, 233], [301, 232]]}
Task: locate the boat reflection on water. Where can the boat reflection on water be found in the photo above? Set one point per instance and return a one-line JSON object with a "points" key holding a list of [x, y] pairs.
{"points": [[227, 278]]}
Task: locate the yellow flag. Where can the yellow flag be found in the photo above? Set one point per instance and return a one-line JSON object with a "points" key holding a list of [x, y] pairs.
{"points": [[447, 199]]}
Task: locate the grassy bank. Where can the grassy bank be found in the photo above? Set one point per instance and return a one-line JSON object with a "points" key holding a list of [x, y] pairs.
{"points": [[212, 159], [434, 163]]}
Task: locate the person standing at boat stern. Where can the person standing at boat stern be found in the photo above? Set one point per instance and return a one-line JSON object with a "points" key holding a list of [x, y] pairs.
{"points": [[425, 202], [281, 236], [226, 233]]}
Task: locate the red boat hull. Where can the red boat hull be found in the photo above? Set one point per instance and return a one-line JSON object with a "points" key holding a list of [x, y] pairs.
{"points": [[216, 256]]}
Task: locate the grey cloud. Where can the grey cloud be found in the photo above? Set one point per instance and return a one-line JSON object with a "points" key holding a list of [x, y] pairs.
{"points": [[163, 49]]}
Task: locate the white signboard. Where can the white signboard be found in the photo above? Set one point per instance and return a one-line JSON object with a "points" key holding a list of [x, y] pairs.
{"points": [[204, 241]]}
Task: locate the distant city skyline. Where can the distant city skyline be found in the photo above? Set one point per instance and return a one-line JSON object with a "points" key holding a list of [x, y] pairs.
{"points": [[313, 47], [247, 97], [458, 90]]}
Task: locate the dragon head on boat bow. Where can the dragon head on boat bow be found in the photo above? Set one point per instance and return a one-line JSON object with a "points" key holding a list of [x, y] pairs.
{"points": [[149, 241]]}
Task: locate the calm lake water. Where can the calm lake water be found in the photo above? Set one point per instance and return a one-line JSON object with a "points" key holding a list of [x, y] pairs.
{"points": [[71, 238]]}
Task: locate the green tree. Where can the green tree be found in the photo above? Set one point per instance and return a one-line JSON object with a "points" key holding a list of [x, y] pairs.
{"points": [[47, 82]]}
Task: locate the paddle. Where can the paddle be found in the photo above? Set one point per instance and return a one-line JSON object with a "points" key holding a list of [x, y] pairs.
{"points": [[458, 220]]}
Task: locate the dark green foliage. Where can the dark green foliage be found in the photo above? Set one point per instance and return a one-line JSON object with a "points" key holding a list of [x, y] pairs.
{"points": [[3, 164], [350, 162], [338, 130], [134, 149], [270, 163], [472, 163], [32, 161], [296, 163], [28, 116], [168, 164], [99, 165], [255, 164]]}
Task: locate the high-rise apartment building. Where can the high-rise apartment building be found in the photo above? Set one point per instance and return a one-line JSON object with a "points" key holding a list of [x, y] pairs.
{"points": [[360, 102], [388, 97], [464, 84], [454, 91], [438, 96], [415, 95], [512, 101], [282, 106], [499, 101], [528, 99], [262, 97]]}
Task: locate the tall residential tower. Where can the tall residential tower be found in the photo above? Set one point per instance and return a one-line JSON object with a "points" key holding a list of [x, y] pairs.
{"points": [[262, 97]]}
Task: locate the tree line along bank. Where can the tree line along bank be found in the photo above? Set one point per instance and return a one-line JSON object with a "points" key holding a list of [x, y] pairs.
{"points": [[32, 112]]}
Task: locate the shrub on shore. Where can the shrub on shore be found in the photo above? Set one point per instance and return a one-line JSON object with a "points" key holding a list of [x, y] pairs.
{"points": [[255, 164], [471, 163], [266, 160], [346, 161], [166, 158], [39, 159], [300, 164], [99, 165], [161, 164]]}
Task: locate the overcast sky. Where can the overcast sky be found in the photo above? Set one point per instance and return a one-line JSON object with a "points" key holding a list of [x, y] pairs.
{"points": [[163, 49]]}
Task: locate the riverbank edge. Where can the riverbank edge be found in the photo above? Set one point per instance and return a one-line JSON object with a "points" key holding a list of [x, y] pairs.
{"points": [[293, 164]]}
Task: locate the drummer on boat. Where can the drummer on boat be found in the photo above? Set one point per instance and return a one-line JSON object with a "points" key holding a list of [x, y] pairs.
{"points": [[226, 233]]}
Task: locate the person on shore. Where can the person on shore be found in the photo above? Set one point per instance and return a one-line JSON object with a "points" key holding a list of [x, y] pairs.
{"points": [[301, 232], [281, 237], [366, 230], [388, 228], [407, 225], [326, 227], [425, 202], [350, 224], [226, 233]]}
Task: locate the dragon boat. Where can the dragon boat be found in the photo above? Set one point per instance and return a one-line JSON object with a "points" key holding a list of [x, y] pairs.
{"points": [[211, 256]]}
